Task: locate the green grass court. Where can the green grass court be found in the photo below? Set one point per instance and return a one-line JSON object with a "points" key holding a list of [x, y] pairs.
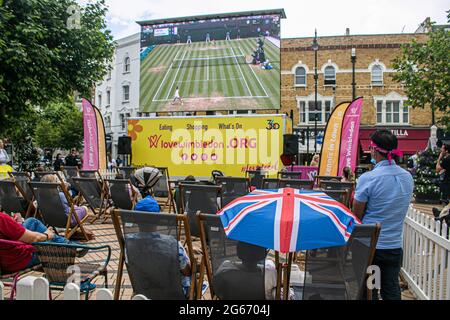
{"points": [[210, 76]]}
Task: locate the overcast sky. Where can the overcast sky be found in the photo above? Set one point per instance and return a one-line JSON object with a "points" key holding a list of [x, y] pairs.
{"points": [[330, 17]]}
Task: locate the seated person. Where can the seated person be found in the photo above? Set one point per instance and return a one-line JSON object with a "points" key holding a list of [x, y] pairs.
{"points": [[145, 179], [26, 231], [80, 211], [132, 190], [150, 205], [159, 244], [231, 275], [348, 175]]}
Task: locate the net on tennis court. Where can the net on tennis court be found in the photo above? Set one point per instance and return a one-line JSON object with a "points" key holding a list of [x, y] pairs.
{"points": [[209, 61]]}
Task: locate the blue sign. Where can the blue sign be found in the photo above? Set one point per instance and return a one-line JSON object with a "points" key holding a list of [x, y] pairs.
{"points": [[319, 139]]}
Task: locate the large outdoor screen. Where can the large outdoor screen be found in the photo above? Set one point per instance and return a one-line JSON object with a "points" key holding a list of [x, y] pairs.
{"points": [[212, 64]]}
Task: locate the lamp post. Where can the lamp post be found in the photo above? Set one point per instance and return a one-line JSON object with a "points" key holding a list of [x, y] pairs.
{"points": [[315, 47], [353, 59]]}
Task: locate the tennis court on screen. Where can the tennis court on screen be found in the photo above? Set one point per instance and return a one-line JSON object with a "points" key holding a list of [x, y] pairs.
{"points": [[218, 75]]}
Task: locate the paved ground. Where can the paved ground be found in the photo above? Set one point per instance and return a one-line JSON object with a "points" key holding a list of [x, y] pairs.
{"points": [[105, 235]]}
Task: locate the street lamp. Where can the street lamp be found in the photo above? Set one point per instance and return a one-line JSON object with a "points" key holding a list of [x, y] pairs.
{"points": [[353, 59], [315, 47]]}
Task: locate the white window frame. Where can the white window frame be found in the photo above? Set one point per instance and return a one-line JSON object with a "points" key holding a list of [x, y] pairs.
{"points": [[127, 66], [373, 83], [99, 103], [385, 100], [293, 70], [310, 99], [305, 77], [123, 117], [123, 93], [325, 75]]}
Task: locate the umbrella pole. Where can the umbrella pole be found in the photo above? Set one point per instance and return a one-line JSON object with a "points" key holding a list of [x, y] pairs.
{"points": [[279, 274], [288, 275]]}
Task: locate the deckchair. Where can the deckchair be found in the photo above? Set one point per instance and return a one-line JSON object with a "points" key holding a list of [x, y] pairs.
{"points": [[21, 180], [290, 175], [320, 179], [52, 208], [126, 171], [39, 174], [229, 277], [296, 184], [12, 199], [119, 192], [149, 243], [58, 258], [203, 198], [94, 194], [162, 190], [270, 183], [256, 177], [233, 187], [70, 172], [91, 174], [336, 185], [338, 195], [339, 273]]}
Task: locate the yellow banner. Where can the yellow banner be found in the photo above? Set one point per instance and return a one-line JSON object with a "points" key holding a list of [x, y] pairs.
{"points": [[101, 140], [329, 154], [197, 145]]}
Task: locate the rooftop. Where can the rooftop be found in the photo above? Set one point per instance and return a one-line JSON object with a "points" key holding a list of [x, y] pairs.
{"points": [[214, 16]]}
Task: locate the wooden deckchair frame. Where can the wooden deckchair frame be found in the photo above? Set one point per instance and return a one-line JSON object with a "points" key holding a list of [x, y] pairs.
{"points": [[115, 215]]}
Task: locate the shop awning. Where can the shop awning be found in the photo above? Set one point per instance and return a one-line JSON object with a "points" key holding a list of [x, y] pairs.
{"points": [[410, 140]]}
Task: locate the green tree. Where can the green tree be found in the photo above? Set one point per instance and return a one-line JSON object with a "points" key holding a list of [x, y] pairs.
{"points": [[424, 69], [60, 127], [48, 49], [20, 131]]}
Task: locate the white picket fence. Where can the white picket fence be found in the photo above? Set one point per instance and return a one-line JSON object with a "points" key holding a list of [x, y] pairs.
{"points": [[37, 288], [426, 260]]}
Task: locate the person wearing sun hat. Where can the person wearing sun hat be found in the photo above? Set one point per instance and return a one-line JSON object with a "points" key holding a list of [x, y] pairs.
{"points": [[383, 196]]}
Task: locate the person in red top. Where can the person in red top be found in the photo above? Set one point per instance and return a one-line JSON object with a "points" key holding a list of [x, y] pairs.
{"points": [[17, 253]]}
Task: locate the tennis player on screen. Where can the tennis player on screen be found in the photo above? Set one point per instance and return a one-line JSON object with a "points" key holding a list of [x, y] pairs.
{"points": [[177, 96]]}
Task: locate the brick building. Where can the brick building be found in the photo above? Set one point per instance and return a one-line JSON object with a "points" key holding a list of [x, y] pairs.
{"points": [[118, 94], [383, 98]]}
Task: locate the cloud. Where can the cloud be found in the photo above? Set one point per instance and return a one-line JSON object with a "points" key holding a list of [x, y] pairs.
{"points": [[328, 16]]}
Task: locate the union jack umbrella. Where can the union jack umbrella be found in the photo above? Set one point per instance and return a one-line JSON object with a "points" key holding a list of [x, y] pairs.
{"points": [[288, 220]]}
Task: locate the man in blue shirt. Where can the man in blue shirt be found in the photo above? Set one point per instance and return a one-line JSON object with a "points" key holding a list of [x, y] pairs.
{"points": [[383, 196]]}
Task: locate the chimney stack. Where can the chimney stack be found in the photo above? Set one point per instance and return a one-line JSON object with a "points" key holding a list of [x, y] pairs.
{"points": [[347, 31]]}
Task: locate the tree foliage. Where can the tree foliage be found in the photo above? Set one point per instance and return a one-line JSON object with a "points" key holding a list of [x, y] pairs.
{"points": [[20, 131], [44, 56], [424, 69], [60, 127]]}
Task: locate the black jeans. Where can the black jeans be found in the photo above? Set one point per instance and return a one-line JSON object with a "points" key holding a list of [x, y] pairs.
{"points": [[445, 190], [390, 262]]}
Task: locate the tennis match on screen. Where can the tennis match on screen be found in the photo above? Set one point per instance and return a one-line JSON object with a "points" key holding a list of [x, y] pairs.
{"points": [[206, 64]]}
